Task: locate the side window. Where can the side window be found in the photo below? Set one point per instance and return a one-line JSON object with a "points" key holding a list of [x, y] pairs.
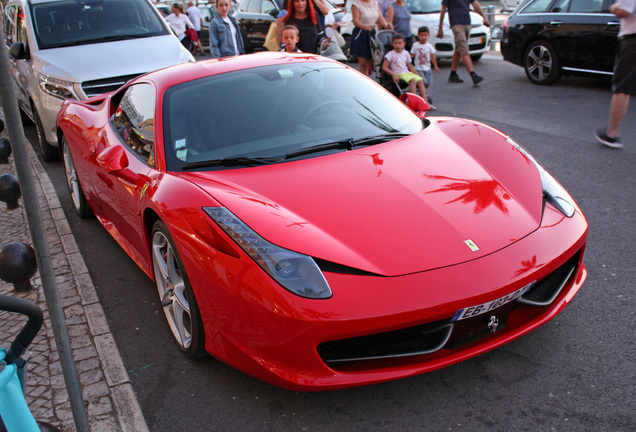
{"points": [[538, 6], [134, 121], [586, 6], [266, 6], [560, 6]]}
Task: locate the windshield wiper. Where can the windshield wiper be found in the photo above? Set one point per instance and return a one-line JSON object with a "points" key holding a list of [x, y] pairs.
{"points": [[346, 144], [230, 162], [342, 144]]}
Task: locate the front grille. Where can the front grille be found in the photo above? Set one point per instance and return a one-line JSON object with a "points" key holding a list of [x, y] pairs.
{"points": [[101, 86], [443, 47], [429, 338]]}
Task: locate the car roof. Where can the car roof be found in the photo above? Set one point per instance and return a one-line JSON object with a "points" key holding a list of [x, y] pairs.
{"points": [[184, 72]]}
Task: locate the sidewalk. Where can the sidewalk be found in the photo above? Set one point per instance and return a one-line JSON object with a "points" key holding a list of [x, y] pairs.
{"points": [[108, 395]]}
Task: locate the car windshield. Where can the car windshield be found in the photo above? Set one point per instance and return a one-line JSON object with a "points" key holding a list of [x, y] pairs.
{"points": [[80, 22], [424, 6], [277, 113]]}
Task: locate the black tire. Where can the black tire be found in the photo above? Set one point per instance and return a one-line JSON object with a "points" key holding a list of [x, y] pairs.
{"points": [[78, 198], [49, 153], [175, 293], [541, 63], [475, 57]]}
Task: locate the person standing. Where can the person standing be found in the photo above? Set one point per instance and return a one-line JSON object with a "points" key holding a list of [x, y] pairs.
{"points": [[624, 78], [459, 17], [195, 16], [366, 14], [399, 16], [180, 22], [225, 36]]}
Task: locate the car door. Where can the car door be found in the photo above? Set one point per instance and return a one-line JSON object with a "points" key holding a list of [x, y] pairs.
{"points": [[254, 19], [575, 29], [609, 37], [124, 165]]}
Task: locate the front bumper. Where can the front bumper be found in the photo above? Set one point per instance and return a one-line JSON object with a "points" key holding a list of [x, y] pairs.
{"points": [[259, 328]]}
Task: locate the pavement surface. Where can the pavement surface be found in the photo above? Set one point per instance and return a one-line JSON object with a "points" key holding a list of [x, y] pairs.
{"points": [[110, 401]]}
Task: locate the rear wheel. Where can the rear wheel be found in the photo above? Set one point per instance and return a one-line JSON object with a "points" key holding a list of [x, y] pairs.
{"points": [[175, 293], [49, 153], [75, 189], [541, 63]]}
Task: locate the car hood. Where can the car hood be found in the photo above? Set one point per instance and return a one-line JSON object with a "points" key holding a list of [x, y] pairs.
{"points": [[110, 59], [454, 192]]}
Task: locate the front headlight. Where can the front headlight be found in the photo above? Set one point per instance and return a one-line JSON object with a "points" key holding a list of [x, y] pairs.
{"points": [[56, 87], [295, 272], [553, 192]]}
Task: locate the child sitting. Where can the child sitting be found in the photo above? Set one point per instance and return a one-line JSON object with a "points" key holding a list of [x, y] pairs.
{"points": [[289, 38], [397, 63]]}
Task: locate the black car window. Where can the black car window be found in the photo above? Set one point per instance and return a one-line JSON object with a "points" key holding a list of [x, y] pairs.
{"points": [[585, 6], [538, 6], [134, 121]]}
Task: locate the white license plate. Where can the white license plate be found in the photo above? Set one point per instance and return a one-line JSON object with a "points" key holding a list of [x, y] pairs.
{"points": [[475, 41], [472, 311]]}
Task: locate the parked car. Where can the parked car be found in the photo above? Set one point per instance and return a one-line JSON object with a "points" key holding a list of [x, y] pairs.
{"points": [[255, 16], [68, 49], [426, 13], [307, 227], [551, 38]]}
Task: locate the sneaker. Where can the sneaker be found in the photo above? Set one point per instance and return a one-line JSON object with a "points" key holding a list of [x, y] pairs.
{"points": [[477, 79], [608, 141], [454, 78]]}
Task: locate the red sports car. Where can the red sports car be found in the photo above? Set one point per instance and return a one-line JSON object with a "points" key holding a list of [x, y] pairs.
{"points": [[308, 228]]}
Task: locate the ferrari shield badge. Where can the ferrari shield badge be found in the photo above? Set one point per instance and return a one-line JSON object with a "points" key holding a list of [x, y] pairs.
{"points": [[471, 244]]}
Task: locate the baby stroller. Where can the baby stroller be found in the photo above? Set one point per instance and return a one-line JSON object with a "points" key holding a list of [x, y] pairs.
{"points": [[381, 45], [15, 414]]}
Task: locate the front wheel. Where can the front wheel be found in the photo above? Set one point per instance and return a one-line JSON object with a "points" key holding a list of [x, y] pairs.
{"points": [[541, 63], [175, 293], [75, 189]]}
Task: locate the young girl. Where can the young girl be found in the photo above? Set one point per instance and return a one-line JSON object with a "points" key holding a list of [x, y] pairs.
{"points": [[225, 35]]}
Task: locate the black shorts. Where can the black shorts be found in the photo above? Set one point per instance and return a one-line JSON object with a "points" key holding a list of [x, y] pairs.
{"points": [[624, 79]]}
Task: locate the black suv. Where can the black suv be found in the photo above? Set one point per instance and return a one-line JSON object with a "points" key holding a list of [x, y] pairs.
{"points": [[550, 38]]}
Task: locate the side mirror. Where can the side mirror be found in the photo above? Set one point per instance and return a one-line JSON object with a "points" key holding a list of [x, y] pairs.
{"points": [[18, 51], [274, 12], [115, 162], [416, 103]]}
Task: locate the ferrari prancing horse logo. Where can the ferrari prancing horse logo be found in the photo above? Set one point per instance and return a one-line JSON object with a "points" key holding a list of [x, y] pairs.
{"points": [[471, 244]]}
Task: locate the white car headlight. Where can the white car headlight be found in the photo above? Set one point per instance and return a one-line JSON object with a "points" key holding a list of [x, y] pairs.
{"points": [[295, 272], [56, 87], [554, 193]]}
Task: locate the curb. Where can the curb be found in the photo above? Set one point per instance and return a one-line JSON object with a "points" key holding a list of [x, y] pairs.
{"points": [[125, 403]]}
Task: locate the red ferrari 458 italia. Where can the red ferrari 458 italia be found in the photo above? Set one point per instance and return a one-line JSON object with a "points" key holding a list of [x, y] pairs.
{"points": [[305, 226]]}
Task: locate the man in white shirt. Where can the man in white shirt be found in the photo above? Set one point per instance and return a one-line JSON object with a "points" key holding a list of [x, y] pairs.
{"points": [[195, 16]]}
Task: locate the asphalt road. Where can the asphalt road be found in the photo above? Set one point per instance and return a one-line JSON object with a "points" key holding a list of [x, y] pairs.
{"points": [[576, 373]]}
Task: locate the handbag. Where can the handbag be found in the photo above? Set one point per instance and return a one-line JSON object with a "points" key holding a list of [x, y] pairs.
{"points": [[270, 39]]}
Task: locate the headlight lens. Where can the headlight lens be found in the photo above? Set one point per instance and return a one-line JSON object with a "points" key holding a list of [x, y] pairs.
{"points": [[56, 87], [296, 272], [553, 191]]}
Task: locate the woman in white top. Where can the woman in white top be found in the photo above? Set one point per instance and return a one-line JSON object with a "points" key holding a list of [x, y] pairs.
{"points": [[180, 22], [366, 14]]}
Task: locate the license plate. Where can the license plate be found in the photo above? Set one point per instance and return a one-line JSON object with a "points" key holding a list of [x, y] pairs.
{"points": [[475, 41], [472, 311]]}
